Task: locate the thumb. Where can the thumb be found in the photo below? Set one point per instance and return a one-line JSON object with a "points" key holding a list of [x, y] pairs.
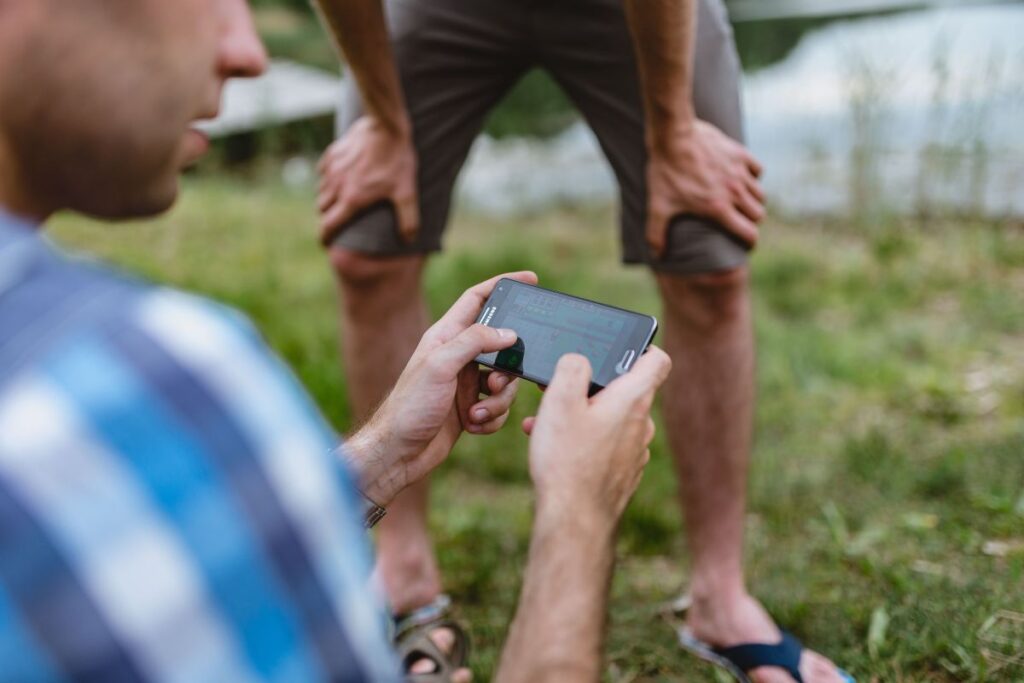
{"points": [[334, 220], [640, 383], [407, 211], [572, 379], [451, 357]]}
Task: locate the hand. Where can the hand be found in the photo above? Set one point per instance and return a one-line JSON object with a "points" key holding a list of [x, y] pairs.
{"points": [[370, 163], [587, 454], [436, 398], [702, 171]]}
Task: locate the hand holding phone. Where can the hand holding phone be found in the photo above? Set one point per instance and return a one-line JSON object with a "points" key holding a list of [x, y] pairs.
{"points": [[440, 393], [587, 454], [551, 324]]}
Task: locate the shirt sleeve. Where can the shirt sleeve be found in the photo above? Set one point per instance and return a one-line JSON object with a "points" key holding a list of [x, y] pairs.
{"points": [[173, 510], [297, 451]]}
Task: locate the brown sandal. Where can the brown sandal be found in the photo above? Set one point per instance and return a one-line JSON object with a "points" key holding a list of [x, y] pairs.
{"points": [[413, 642]]}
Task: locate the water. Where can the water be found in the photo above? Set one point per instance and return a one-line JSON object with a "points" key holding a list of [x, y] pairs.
{"points": [[922, 111]]}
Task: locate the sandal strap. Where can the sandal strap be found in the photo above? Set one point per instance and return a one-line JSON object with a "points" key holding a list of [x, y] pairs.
{"points": [[785, 655], [413, 642], [418, 645], [433, 611]]}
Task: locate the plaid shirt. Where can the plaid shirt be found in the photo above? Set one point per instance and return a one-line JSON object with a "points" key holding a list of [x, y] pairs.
{"points": [[169, 507]]}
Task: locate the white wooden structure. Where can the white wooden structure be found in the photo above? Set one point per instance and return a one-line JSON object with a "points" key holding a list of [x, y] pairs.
{"points": [[286, 92], [757, 10]]}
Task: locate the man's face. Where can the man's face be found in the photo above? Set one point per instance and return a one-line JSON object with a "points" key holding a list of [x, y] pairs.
{"points": [[98, 97]]}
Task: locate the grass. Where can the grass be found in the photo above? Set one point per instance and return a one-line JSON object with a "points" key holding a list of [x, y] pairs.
{"points": [[890, 425]]}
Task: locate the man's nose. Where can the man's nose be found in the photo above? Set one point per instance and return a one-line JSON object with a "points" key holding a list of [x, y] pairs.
{"points": [[242, 54]]}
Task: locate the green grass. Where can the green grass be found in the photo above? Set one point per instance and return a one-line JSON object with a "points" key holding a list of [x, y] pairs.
{"points": [[890, 423]]}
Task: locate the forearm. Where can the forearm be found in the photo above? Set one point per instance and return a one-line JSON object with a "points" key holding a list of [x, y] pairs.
{"points": [[558, 631], [384, 464], [370, 458], [663, 36], [360, 31]]}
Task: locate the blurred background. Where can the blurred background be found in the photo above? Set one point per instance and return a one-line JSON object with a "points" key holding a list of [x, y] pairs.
{"points": [[886, 524]]}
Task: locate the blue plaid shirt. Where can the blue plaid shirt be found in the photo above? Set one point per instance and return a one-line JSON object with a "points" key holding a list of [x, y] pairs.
{"points": [[169, 507]]}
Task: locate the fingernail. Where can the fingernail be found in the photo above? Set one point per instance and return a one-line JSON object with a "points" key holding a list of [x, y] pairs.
{"points": [[506, 334], [480, 414]]}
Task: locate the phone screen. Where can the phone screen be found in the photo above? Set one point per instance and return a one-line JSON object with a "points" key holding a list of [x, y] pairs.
{"points": [[550, 324]]}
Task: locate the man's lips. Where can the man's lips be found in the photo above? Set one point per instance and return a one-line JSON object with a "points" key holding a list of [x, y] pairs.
{"points": [[197, 144]]}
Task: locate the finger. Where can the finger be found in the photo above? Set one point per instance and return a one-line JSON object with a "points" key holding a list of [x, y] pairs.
{"points": [[449, 358], [754, 187], [741, 226], [464, 311], [753, 164], [407, 211], [336, 218], [528, 423], [653, 366], [648, 373], [492, 406], [571, 381], [483, 377], [325, 158], [325, 198], [651, 431], [749, 206], [657, 226], [489, 427], [496, 381]]}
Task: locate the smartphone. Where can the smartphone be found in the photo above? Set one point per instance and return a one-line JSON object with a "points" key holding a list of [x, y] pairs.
{"points": [[550, 324]]}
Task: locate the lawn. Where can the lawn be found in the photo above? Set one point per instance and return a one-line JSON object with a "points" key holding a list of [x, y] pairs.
{"points": [[886, 523]]}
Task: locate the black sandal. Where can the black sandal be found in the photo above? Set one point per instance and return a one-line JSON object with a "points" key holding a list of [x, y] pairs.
{"points": [[737, 660]]}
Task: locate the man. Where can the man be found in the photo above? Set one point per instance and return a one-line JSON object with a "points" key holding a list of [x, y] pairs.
{"points": [[170, 505], [630, 66]]}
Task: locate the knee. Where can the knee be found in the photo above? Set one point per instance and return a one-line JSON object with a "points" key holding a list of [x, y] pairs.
{"points": [[371, 281], [706, 301], [356, 270]]}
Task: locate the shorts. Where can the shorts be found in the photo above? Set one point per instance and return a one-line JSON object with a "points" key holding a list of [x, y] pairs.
{"points": [[458, 58]]}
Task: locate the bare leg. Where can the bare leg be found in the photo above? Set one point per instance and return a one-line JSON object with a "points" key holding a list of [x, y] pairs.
{"points": [[708, 404], [383, 316]]}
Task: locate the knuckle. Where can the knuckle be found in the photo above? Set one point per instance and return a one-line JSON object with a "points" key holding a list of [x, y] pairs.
{"points": [[719, 206], [481, 333], [435, 360]]}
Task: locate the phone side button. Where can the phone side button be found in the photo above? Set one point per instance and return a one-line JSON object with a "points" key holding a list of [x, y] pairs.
{"points": [[626, 361]]}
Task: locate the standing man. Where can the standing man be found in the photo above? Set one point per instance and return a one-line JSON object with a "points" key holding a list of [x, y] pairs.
{"points": [[658, 81], [170, 509]]}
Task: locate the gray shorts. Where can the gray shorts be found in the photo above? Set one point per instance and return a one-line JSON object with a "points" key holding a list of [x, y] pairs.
{"points": [[458, 58]]}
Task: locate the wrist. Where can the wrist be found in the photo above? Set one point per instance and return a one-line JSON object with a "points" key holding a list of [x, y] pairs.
{"points": [[396, 124], [369, 457], [670, 133], [580, 513]]}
